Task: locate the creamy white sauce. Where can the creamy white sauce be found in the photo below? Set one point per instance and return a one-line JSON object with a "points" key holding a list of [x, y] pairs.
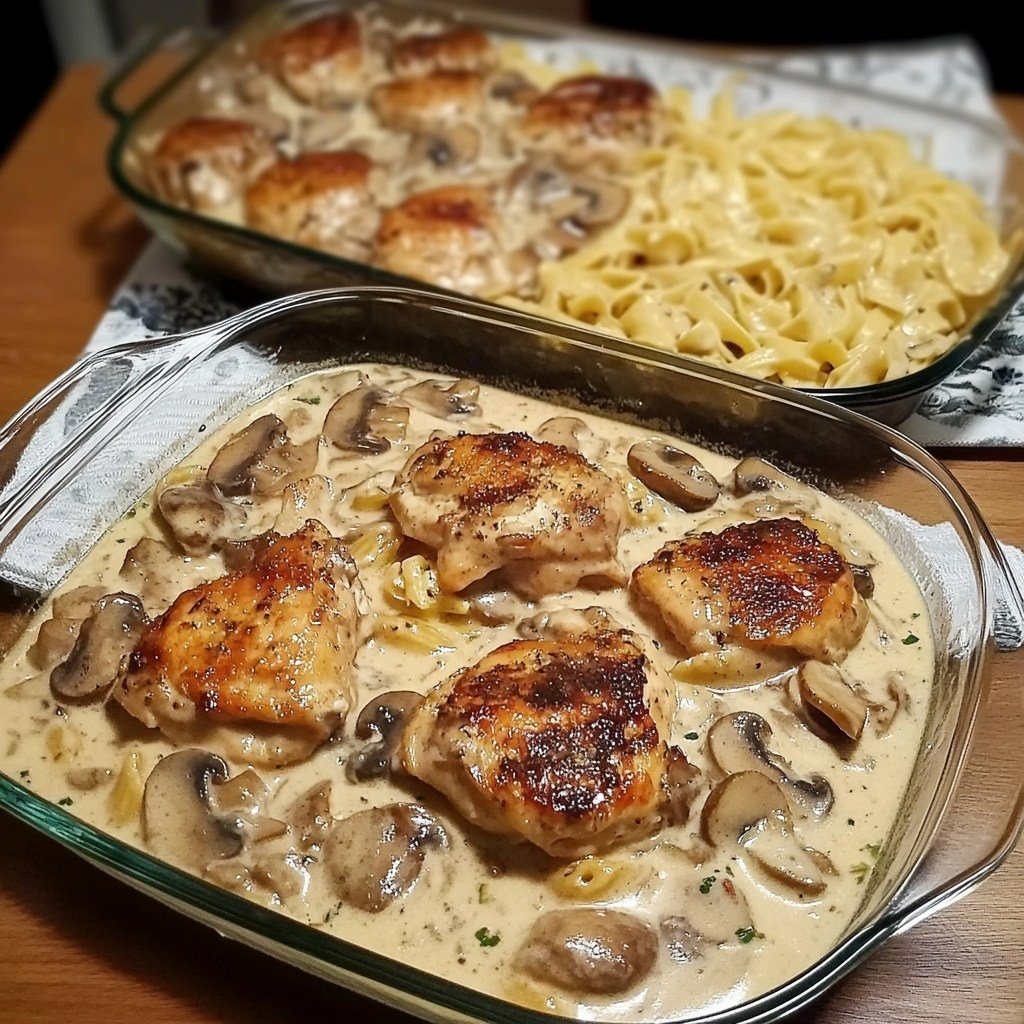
{"points": [[72, 754]]}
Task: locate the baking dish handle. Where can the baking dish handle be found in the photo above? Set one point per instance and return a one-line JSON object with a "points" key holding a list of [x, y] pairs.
{"points": [[183, 44], [985, 820]]}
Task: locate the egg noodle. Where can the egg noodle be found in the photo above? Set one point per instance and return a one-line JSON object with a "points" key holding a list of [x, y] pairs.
{"points": [[790, 248]]}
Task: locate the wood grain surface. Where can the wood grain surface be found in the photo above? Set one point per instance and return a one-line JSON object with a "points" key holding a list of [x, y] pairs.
{"points": [[78, 946]]}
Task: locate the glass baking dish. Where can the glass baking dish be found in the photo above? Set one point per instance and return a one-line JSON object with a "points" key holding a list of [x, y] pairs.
{"points": [[82, 452], [984, 151]]}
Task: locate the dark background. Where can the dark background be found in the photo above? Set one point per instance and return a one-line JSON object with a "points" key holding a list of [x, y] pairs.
{"points": [[740, 25]]}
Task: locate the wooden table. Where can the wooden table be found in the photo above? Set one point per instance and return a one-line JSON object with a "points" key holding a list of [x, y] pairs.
{"points": [[75, 945]]}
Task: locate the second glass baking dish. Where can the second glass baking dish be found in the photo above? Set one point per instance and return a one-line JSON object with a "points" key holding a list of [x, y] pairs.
{"points": [[87, 447], [984, 151]]}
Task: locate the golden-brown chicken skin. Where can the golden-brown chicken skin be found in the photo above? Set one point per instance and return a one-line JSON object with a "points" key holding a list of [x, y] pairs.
{"points": [[540, 511], [269, 647], [461, 49], [581, 118], [206, 162], [448, 236], [320, 61], [770, 583], [560, 742], [324, 200], [429, 101]]}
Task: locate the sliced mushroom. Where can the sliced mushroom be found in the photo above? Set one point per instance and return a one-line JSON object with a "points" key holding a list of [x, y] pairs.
{"points": [[382, 720], [444, 398], [774, 847], [154, 572], [310, 817], [567, 620], [824, 689], [260, 460], [199, 518], [571, 432], [327, 129], [447, 147], [676, 475], [180, 819], [884, 712], [375, 857], [603, 201], [104, 642], [240, 554], [738, 803], [715, 913], [589, 951], [863, 580], [363, 420], [739, 743], [752, 475], [76, 603], [54, 642]]}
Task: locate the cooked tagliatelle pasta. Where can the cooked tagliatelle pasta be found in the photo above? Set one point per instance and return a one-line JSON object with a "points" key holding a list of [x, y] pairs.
{"points": [[790, 248]]}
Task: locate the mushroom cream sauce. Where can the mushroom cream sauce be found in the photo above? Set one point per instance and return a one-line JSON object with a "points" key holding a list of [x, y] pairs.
{"points": [[725, 927]]}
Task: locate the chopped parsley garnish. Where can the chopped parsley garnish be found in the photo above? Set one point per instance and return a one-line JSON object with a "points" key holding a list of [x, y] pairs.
{"points": [[875, 849], [65, 801], [24, 773], [483, 893], [861, 871], [690, 736], [748, 934], [314, 400], [850, 821], [705, 885], [915, 615], [486, 938], [728, 870], [130, 514], [910, 639]]}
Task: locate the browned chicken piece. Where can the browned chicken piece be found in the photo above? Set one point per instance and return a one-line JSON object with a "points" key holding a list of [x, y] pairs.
{"points": [[320, 61], [770, 583], [449, 236], [489, 501], [428, 101], [558, 741], [460, 49], [592, 116], [267, 649], [325, 200], [206, 162]]}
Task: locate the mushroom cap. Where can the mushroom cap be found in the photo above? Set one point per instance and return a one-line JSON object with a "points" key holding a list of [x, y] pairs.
{"points": [[824, 689], [199, 518], [375, 856], [590, 951], [674, 474], [179, 817], [260, 460]]}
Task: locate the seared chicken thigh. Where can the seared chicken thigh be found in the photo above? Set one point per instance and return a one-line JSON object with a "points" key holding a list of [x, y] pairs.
{"points": [[321, 199], [320, 61], [558, 741], [427, 101], [490, 501], [592, 116], [205, 162], [770, 583], [460, 49], [268, 647]]}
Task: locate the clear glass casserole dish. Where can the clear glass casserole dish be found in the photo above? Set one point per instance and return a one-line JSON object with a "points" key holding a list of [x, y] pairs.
{"points": [[86, 448], [980, 150]]}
